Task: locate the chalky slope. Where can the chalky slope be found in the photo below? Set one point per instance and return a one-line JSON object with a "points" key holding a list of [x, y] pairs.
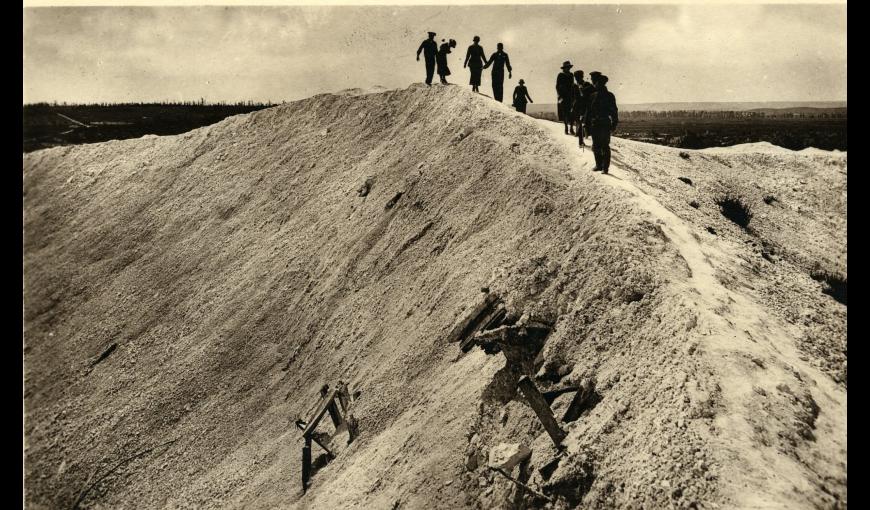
{"points": [[238, 267]]}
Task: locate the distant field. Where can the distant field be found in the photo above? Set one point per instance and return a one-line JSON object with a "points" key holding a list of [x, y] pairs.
{"points": [[47, 125], [695, 131], [796, 128]]}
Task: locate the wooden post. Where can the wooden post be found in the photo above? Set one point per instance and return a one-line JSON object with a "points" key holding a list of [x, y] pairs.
{"points": [[539, 405], [306, 464]]}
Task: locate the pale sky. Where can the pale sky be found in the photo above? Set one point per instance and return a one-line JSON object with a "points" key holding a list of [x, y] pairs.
{"points": [[651, 53]]}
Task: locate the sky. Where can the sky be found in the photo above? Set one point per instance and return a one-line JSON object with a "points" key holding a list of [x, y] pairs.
{"points": [[651, 53]]}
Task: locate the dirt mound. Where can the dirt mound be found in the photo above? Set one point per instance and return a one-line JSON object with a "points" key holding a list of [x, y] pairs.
{"points": [[201, 288]]}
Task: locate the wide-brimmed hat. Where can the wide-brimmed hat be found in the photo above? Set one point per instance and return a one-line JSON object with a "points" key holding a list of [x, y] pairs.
{"points": [[431, 34], [476, 38], [567, 64], [522, 81]]}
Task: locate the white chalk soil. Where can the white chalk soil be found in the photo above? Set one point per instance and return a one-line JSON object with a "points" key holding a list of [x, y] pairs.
{"points": [[199, 289]]}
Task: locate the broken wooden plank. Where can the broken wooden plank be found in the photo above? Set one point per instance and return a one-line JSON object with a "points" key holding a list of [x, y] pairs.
{"points": [[542, 409], [478, 315], [318, 415]]}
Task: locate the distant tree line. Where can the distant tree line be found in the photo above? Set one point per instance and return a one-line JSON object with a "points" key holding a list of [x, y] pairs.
{"points": [[705, 114], [200, 102]]}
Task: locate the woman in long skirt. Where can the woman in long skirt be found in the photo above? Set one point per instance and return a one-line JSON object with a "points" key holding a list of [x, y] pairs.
{"points": [[441, 60], [475, 60]]}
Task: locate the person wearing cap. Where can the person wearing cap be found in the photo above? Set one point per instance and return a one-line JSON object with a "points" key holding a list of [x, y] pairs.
{"points": [[520, 96], [499, 60], [441, 60], [564, 91], [429, 48], [593, 76], [601, 118], [475, 60]]}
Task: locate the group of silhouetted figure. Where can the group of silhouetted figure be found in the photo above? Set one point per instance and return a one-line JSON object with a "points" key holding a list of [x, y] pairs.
{"points": [[582, 106]]}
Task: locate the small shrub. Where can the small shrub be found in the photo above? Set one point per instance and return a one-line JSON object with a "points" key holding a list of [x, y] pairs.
{"points": [[833, 285], [735, 210]]}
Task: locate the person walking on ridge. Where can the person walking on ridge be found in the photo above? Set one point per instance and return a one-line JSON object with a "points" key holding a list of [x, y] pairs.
{"points": [[429, 48], [601, 118], [564, 90], [499, 60], [582, 92], [474, 60], [441, 60], [520, 96]]}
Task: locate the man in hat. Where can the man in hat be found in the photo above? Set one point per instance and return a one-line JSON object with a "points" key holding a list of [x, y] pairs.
{"points": [[520, 96], [475, 60], [601, 119], [499, 60], [564, 91], [429, 48]]}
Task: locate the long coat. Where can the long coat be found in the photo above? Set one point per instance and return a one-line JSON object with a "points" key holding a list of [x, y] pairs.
{"points": [[441, 60], [475, 59]]}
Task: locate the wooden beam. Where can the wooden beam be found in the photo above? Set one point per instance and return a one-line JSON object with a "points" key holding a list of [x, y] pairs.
{"points": [[301, 425], [539, 405], [318, 415], [334, 415]]}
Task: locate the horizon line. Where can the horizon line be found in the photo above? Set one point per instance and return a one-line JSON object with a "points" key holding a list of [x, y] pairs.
{"points": [[242, 102]]}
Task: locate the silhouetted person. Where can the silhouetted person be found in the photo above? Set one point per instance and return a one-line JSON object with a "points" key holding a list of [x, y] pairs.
{"points": [[601, 119], [475, 61], [429, 48], [593, 77], [498, 60], [441, 60], [582, 92], [520, 96], [564, 91]]}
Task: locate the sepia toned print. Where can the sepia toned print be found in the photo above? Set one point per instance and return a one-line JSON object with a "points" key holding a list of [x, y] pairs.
{"points": [[316, 257]]}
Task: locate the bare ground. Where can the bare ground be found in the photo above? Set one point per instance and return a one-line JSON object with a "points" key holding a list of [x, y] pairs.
{"points": [[236, 268]]}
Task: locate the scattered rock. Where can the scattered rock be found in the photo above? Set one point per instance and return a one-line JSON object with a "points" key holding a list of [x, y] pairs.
{"points": [[471, 461], [393, 200], [507, 455], [686, 180], [366, 187]]}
